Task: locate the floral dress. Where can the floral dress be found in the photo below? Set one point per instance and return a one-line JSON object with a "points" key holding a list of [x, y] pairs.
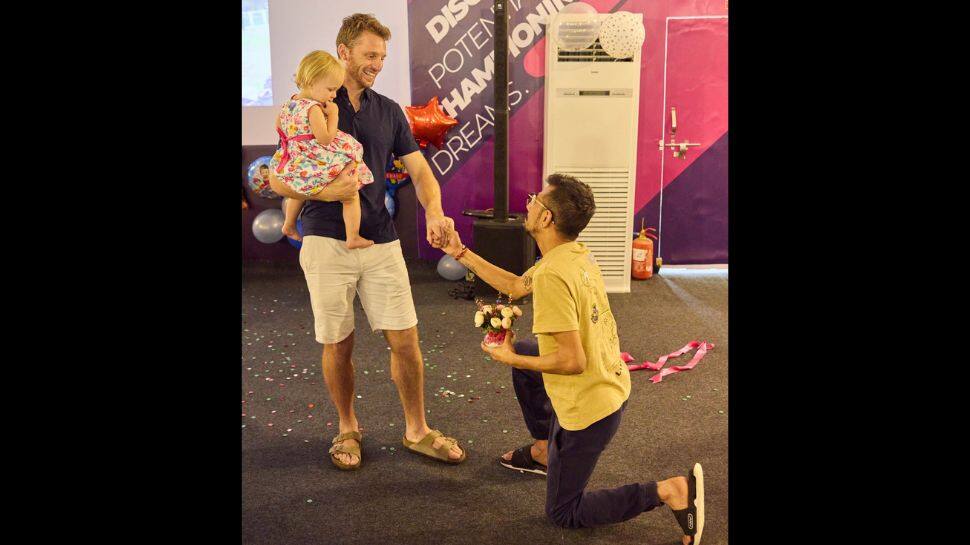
{"points": [[305, 165]]}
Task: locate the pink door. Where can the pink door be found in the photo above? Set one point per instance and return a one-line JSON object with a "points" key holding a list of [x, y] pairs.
{"points": [[693, 195]]}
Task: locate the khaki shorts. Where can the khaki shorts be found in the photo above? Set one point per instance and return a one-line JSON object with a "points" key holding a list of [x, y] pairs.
{"points": [[334, 275]]}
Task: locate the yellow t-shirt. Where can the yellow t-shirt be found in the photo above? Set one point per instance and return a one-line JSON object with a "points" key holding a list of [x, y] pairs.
{"points": [[568, 295]]}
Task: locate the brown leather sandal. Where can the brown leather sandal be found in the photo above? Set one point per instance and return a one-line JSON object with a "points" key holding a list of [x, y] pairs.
{"points": [[339, 446], [424, 447]]}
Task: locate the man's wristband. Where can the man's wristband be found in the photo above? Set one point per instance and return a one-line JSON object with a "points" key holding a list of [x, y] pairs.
{"points": [[461, 252]]}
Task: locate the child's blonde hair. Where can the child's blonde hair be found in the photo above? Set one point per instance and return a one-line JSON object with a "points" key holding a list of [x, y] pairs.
{"points": [[315, 65]]}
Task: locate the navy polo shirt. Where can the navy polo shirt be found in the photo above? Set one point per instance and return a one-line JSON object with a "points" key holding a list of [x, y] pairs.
{"points": [[382, 128]]}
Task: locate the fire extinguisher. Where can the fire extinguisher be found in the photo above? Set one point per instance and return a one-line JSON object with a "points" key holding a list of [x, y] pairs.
{"points": [[643, 262]]}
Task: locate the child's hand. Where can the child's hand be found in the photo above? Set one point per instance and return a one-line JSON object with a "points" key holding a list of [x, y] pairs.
{"points": [[330, 109], [289, 229]]}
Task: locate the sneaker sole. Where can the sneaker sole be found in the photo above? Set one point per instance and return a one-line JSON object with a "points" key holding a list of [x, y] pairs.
{"points": [[699, 501]]}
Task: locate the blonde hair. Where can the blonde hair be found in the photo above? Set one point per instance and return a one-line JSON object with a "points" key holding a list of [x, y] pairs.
{"points": [[355, 25], [317, 64]]}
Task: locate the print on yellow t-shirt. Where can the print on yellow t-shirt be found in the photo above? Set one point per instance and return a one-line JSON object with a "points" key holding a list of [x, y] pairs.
{"points": [[568, 295]]}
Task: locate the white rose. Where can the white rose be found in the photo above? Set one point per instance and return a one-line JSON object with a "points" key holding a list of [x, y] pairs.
{"points": [[496, 322], [479, 319], [486, 309], [507, 313], [517, 311], [507, 323]]}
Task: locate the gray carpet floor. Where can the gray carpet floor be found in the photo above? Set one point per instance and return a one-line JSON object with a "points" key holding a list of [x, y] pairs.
{"points": [[292, 494]]}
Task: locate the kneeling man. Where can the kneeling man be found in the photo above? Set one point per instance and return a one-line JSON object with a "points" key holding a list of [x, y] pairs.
{"points": [[572, 386]]}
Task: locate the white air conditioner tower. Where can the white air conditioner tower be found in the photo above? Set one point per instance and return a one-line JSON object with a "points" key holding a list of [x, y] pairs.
{"points": [[590, 132]]}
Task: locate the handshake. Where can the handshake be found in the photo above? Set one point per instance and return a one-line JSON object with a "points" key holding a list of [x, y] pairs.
{"points": [[442, 235]]}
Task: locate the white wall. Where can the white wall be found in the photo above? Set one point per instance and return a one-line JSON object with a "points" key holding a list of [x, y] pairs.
{"points": [[300, 26]]}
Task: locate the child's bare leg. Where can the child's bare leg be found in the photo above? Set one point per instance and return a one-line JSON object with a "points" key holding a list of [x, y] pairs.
{"points": [[352, 224], [292, 210]]}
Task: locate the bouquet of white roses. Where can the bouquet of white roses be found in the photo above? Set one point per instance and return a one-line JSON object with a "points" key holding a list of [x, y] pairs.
{"points": [[496, 320]]}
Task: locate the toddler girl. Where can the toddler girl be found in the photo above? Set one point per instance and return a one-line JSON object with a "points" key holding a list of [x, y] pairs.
{"points": [[312, 150]]}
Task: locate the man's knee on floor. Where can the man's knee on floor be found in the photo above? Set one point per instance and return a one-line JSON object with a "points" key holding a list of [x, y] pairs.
{"points": [[562, 517]]}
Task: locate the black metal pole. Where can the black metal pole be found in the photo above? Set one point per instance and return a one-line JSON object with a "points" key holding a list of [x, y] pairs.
{"points": [[501, 111]]}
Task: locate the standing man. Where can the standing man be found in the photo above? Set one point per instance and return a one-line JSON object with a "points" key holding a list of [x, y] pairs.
{"points": [[335, 275], [573, 387]]}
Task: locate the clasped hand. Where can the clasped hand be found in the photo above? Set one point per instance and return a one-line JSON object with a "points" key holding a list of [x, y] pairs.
{"points": [[440, 231]]}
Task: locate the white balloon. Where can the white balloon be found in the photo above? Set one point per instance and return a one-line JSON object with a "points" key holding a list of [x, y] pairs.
{"points": [[268, 226], [578, 7], [622, 34], [576, 35]]}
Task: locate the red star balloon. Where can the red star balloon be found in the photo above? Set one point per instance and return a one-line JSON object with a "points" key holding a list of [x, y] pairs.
{"points": [[429, 123]]}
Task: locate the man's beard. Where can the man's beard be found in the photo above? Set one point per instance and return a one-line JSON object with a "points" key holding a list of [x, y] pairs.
{"points": [[530, 228], [357, 73]]}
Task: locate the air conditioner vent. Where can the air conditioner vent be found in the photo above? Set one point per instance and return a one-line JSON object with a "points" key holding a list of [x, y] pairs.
{"points": [[593, 53]]}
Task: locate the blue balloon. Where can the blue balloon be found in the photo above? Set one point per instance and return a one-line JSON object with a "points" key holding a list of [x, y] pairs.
{"points": [[450, 269], [299, 229], [258, 162], [390, 204], [268, 226], [258, 183]]}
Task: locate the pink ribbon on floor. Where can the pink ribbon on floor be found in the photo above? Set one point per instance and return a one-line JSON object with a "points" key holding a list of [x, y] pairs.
{"points": [[285, 145], [703, 348]]}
